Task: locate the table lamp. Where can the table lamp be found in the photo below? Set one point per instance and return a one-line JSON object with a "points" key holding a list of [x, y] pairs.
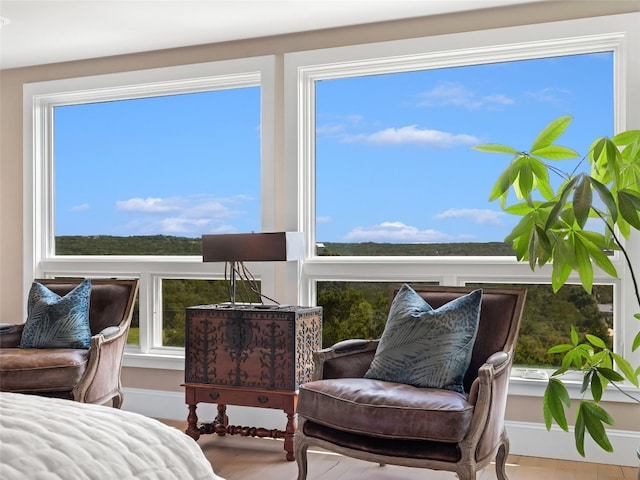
{"points": [[236, 248]]}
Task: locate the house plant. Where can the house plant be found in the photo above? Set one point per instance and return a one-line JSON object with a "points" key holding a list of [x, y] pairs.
{"points": [[557, 228]]}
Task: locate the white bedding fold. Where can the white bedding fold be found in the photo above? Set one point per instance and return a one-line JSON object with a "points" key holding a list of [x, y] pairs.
{"points": [[46, 438]]}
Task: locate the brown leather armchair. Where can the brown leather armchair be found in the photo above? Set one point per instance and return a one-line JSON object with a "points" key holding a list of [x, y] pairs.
{"points": [[392, 423], [89, 376]]}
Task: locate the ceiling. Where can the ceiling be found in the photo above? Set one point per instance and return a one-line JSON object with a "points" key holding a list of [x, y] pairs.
{"points": [[51, 31]]}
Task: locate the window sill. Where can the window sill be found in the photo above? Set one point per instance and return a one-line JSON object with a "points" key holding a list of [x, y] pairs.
{"points": [[160, 361], [529, 387]]}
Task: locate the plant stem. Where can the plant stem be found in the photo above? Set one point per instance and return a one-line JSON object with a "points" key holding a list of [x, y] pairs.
{"points": [[624, 252], [637, 400]]}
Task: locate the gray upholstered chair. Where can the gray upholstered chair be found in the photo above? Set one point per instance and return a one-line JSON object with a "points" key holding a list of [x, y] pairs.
{"points": [[392, 423], [84, 375]]}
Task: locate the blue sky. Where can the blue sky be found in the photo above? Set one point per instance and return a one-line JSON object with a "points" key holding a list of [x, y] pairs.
{"points": [[394, 153]]}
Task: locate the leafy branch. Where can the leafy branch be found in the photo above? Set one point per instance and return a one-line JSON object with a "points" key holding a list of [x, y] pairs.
{"points": [[554, 229]]}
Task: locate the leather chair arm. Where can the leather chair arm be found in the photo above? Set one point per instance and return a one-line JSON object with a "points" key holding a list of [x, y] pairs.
{"points": [[349, 358], [11, 338], [499, 360], [493, 366], [110, 332]]}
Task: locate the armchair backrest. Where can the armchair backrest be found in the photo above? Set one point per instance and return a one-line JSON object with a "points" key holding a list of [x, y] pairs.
{"points": [[111, 300], [500, 315]]}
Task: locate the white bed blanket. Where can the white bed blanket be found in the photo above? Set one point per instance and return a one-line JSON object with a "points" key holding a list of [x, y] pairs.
{"points": [[51, 439]]}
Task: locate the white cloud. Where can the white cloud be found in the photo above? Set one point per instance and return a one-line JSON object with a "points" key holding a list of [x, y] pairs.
{"points": [[183, 225], [80, 208], [188, 215], [323, 220], [149, 205], [413, 135], [337, 124], [476, 215], [330, 129], [395, 232], [449, 93], [549, 95]]}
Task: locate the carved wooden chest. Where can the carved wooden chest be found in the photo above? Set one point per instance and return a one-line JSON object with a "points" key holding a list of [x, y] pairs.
{"points": [[265, 348]]}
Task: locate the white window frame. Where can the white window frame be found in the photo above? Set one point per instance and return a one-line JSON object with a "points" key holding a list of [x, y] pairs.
{"points": [[40, 259], [303, 69]]}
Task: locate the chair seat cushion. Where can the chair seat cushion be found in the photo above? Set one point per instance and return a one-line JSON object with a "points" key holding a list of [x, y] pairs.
{"points": [[386, 409], [34, 369]]}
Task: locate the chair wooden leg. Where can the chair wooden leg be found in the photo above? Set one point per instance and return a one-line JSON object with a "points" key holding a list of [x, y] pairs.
{"points": [[501, 458], [300, 451], [467, 472]]}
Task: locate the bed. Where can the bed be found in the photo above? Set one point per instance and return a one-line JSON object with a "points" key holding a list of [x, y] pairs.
{"points": [[49, 438]]}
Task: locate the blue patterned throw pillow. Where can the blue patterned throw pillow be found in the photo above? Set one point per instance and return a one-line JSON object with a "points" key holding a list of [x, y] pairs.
{"points": [[57, 322], [424, 347]]}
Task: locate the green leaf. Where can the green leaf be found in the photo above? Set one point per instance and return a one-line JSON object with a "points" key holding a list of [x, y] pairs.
{"points": [[525, 179], [586, 380], [629, 203], [560, 348], [597, 255], [574, 336], [521, 208], [559, 205], [583, 264], [579, 432], [636, 342], [610, 374], [572, 359], [626, 368], [502, 184], [596, 151], [606, 197], [582, 199], [593, 418], [555, 397], [551, 132], [545, 248], [555, 152], [595, 341], [561, 268], [496, 148], [596, 388], [627, 137]]}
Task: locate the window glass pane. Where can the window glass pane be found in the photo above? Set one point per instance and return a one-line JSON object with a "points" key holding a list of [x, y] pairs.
{"points": [[354, 309], [395, 170], [548, 317], [133, 337], [359, 310], [149, 176], [177, 295]]}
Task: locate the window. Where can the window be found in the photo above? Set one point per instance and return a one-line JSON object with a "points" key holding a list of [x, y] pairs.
{"points": [[127, 171], [390, 189], [395, 172], [171, 167], [298, 185]]}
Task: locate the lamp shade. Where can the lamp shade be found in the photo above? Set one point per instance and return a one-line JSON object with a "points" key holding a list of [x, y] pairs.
{"points": [[253, 247]]}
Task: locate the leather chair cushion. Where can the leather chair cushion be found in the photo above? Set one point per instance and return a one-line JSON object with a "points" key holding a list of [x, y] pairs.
{"points": [[34, 370], [386, 409]]}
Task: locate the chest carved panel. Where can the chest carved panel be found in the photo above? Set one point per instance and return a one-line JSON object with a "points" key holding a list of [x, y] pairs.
{"points": [[252, 347]]}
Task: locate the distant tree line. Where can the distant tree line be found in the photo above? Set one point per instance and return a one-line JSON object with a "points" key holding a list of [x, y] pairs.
{"points": [[359, 309], [171, 245]]}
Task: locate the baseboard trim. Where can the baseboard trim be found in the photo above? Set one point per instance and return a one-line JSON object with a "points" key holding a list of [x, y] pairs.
{"points": [[526, 438], [533, 440]]}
